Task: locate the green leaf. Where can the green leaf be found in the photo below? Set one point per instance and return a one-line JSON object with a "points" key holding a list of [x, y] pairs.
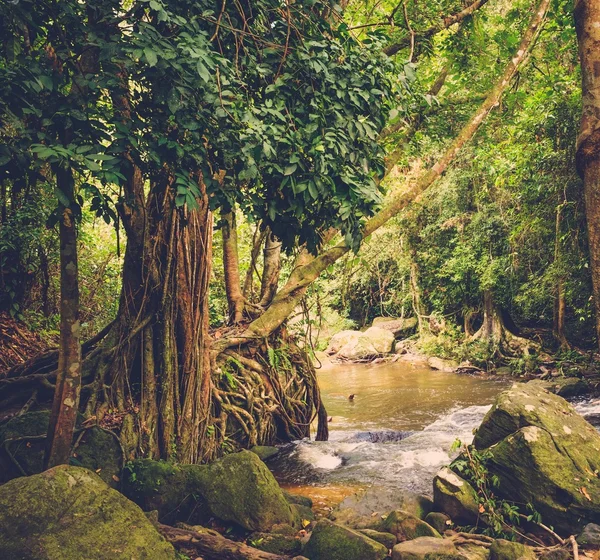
{"points": [[151, 56], [290, 169]]}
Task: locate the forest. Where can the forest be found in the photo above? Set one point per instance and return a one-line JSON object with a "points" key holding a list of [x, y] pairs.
{"points": [[286, 279]]}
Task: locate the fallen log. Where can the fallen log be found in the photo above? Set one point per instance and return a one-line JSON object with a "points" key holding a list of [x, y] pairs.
{"points": [[210, 545]]}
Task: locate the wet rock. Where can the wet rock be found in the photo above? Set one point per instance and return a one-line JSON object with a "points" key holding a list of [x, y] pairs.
{"points": [[471, 551], [69, 513], [381, 436], [406, 527], [97, 449], [341, 339], [426, 548], [265, 452], [556, 554], [590, 536], [503, 370], [302, 513], [439, 521], [365, 509], [237, 488], [386, 539], [370, 344], [543, 452], [276, 544], [330, 541], [298, 499], [441, 364], [400, 328], [456, 497], [502, 549], [565, 387]]}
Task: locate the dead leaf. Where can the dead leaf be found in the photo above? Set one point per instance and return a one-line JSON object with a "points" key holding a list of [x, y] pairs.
{"points": [[115, 478], [481, 508], [585, 493]]}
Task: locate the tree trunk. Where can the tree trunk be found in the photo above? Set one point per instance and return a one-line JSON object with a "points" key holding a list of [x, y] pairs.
{"points": [[231, 266], [587, 21], [65, 405], [559, 302], [415, 291], [271, 270]]}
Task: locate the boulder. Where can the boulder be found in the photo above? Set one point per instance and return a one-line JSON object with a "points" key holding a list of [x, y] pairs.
{"points": [[96, 449], [237, 488], [298, 499], [426, 548], [565, 387], [283, 545], [370, 344], [456, 497], [69, 513], [364, 509], [400, 328], [330, 541], [386, 539], [439, 521], [589, 537], [265, 452], [342, 339], [406, 527], [502, 549], [441, 364], [544, 453]]}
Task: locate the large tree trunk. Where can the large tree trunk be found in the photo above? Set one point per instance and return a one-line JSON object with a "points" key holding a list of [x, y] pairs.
{"points": [[65, 405], [587, 20]]}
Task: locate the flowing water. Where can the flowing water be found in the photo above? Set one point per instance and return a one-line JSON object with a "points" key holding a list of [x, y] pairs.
{"points": [[396, 432]]}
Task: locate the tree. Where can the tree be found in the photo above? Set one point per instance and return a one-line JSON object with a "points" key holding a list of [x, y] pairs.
{"points": [[587, 20]]}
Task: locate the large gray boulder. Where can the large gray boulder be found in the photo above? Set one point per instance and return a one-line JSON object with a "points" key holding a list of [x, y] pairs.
{"points": [[370, 344], [543, 453], [330, 541], [341, 339], [69, 513], [238, 488]]}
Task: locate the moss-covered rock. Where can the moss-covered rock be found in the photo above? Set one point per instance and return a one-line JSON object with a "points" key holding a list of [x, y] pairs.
{"points": [[23, 436], [298, 499], [283, 545], [330, 541], [544, 453], [426, 548], [456, 497], [386, 539], [439, 521], [590, 536], [265, 452], [303, 513], [406, 527], [502, 549], [237, 488], [69, 513]]}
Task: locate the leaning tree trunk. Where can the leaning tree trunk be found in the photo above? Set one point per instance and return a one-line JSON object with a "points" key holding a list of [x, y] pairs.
{"points": [[271, 269], [587, 21]]}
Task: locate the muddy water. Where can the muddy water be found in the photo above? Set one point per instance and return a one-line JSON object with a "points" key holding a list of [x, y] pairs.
{"points": [[396, 432]]}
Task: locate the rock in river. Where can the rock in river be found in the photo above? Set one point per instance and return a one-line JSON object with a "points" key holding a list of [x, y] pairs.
{"points": [[237, 488], [370, 344], [544, 453], [69, 513], [330, 541], [456, 497]]}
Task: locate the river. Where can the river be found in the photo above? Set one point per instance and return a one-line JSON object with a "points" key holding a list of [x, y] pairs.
{"points": [[395, 433]]}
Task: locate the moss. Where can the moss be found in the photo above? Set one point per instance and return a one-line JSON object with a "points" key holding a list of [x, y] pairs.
{"points": [[298, 499], [276, 544], [456, 497], [406, 527], [507, 550], [335, 542], [426, 548], [68, 513], [386, 539], [265, 452], [100, 452]]}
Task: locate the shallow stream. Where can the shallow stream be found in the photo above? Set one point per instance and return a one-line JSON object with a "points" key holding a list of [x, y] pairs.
{"points": [[396, 431]]}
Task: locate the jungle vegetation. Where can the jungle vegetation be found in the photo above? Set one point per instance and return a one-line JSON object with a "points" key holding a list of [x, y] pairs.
{"points": [[188, 188]]}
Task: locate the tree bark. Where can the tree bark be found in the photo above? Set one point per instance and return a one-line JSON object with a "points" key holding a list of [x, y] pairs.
{"points": [[231, 266], [308, 268], [559, 302], [587, 22], [65, 405], [271, 270]]}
